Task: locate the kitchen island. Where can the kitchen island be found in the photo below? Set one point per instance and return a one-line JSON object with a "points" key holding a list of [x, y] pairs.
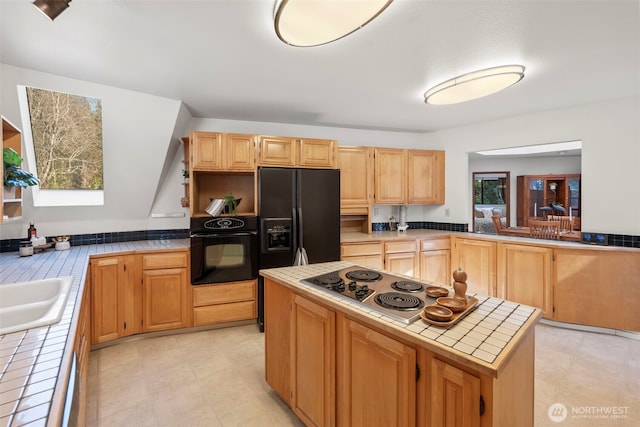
{"points": [[334, 361]]}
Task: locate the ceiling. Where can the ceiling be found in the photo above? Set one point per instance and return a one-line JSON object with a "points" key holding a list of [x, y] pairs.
{"points": [[223, 59]]}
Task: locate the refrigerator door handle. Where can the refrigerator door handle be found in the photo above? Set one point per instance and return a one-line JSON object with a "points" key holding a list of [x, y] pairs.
{"points": [[300, 231]]}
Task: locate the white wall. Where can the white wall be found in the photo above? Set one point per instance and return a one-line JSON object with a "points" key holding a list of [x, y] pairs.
{"points": [[610, 134], [142, 158], [137, 135]]}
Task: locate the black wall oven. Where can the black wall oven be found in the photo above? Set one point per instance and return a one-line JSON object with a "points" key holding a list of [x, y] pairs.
{"points": [[224, 249]]}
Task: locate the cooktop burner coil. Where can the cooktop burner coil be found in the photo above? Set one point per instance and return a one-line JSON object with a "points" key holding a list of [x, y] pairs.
{"points": [[399, 301], [364, 275], [407, 286]]}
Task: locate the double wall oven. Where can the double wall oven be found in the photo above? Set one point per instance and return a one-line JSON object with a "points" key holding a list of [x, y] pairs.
{"points": [[224, 249]]}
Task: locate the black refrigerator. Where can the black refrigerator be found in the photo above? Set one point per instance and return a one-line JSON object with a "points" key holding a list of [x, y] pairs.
{"points": [[299, 214]]}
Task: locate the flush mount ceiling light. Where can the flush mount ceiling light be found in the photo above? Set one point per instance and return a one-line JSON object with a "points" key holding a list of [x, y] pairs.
{"points": [[474, 85], [308, 23], [51, 8]]}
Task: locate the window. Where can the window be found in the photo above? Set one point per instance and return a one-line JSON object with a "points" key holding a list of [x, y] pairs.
{"points": [[63, 139]]}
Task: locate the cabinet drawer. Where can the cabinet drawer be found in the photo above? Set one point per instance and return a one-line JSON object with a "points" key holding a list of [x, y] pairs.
{"points": [[224, 293], [435, 244], [360, 249], [397, 247], [221, 313], [164, 260]]}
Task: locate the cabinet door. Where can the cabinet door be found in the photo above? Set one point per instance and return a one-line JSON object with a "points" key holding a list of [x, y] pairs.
{"points": [[435, 266], [373, 367], [369, 254], [165, 299], [207, 150], [313, 363], [106, 322], [478, 259], [525, 274], [402, 263], [277, 151], [356, 176], [240, 152], [277, 338], [390, 176], [318, 153], [426, 177], [455, 396]]}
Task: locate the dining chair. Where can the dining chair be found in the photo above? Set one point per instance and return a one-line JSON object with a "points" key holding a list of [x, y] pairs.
{"points": [[497, 223], [566, 222], [542, 229]]}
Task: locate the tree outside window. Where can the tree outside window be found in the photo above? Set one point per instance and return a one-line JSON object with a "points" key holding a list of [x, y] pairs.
{"points": [[67, 139]]}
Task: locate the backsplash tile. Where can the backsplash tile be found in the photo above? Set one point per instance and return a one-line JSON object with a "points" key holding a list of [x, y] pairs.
{"points": [[12, 245], [425, 225]]}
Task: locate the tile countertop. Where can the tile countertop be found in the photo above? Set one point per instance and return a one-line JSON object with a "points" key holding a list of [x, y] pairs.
{"points": [[31, 360], [482, 339]]}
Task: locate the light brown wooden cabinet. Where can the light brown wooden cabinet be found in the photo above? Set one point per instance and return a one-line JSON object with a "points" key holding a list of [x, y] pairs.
{"points": [[296, 152], [213, 151], [165, 287], [137, 293], [313, 362], [368, 254], [409, 176], [390, 176], [116, 298], [478, 259], [435, 261], [525, 275], [81, 347], [373, 367], [597, 287], [356, 177], [300, 354], [425, 185], [11, 207], [455, 396], [224, 302], [401, 257]]}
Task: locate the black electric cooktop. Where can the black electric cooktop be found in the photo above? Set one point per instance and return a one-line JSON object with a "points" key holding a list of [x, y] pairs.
{"points": [[394, 296]]}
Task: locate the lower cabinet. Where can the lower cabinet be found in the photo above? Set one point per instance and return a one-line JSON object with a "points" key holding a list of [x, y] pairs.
{"points": [[369, 254], [401, 257], [525, 275], [81, 348], [478, 259], [138, 293], [334, 370], [224, 302], [312, 362], [376, 382], [435, 261]]}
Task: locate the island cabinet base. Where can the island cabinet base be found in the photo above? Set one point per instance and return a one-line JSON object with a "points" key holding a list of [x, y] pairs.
{"points": [[337, 367]]}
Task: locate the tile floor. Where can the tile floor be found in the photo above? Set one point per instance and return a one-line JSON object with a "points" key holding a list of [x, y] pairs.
{"points": [[216, 378]]}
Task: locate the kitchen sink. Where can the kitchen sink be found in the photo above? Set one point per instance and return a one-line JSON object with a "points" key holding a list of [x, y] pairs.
{"points": [[27, 305]]}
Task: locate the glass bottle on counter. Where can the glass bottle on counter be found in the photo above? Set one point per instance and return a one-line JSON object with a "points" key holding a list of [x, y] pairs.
{"points": [[31, 231]]}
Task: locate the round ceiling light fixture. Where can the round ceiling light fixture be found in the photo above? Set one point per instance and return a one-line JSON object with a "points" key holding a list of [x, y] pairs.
{"points": [[474, 85], [307, 23]]}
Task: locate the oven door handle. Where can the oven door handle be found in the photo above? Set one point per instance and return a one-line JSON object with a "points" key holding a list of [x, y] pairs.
{"points": [[242, 233]]}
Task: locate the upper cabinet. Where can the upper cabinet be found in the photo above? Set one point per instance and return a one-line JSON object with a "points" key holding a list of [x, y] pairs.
{"points": [[356, 177], [390, 176], [409, 176], [213, 151], [296, 152], [425, 177]]}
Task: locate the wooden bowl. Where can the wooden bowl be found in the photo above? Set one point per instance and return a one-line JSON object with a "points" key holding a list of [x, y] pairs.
{"points": [[453, 304], [438, 313], [436, 291]]}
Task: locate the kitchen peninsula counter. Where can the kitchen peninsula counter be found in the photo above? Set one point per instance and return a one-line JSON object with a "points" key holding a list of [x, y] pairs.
{"points": [[35, 363], [494, 344]]}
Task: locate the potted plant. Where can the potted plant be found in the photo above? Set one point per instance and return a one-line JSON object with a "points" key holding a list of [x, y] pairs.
{"points": [[231, 203], [13, 176]]}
